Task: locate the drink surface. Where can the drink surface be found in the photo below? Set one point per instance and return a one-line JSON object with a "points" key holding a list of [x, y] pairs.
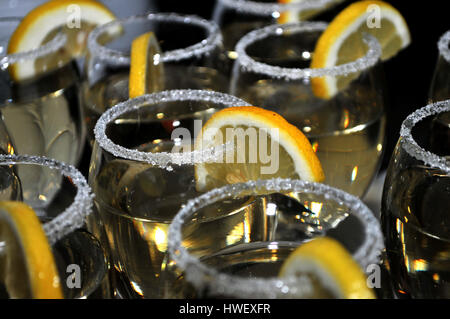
{"points": [[347, 132], [114, 88], [43, 117], [415, 216], [248, 260]]}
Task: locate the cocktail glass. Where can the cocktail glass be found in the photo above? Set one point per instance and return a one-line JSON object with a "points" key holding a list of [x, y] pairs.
{"points": [[415, 206], [142, 172], [345, 129], [79, 256], [243, 256]]}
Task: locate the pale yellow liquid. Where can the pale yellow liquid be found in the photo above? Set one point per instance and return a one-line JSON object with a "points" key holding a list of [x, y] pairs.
{"points": [[347, 138]]}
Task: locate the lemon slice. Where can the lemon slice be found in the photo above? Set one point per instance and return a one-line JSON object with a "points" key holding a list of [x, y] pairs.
{"points": [[332, 267], [146, 71], [342, 41], [76, 18], [27, 266], [265, 146]]}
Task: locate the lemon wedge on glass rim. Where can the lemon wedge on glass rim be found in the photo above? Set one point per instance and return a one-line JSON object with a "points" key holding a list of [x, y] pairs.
{"points": [[293, 157], [146, 70], [75, 18], [27, 266], [342, 41], [334, 270]]}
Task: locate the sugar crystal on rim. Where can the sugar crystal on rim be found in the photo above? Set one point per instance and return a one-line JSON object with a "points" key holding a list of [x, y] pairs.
{"points": [[163, 159]]}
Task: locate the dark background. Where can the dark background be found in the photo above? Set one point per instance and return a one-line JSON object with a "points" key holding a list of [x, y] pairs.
{"points": [[408, 75]]}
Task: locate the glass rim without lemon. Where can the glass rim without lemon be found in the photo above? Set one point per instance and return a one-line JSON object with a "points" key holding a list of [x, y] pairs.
{"points": [[116, 57]]}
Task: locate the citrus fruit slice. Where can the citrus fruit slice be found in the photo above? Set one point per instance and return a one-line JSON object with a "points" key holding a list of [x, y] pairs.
{"points": [[342, 41], [27, 266], [264, 145], [331, 266], [76, 18], [146, 71]]}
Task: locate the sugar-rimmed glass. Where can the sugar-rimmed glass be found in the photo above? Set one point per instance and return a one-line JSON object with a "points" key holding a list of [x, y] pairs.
{"points": [[347, 129], [40, 105], [63, 216], [238, 17], [415, 208], [190, 56], [248, 266], [140, 180]]}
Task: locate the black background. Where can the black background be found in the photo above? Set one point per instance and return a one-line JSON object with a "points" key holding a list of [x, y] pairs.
{"points": [[408, 75]]}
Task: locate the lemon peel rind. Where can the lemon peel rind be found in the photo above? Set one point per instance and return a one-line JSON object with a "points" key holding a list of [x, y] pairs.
{"points": [[305, 167], [73, 217], [333, 266], [164, 160], [44, 282], [202, 276], [52, 46], [115, 57], [371, 57], [264, 9], [443, 46], [410, 145]]}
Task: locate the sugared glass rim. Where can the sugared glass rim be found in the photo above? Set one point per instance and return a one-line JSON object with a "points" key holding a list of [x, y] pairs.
{"points": [[443, 46], [73, 217], [50, 47], [410, 145], [247, 63], [161, 159], [268, 8], [219, 283], [116, 57]]}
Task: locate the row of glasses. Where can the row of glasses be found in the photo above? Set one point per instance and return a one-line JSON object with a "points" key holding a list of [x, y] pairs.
{"points": [[63, 217], [135, 141], [140, 182]]}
